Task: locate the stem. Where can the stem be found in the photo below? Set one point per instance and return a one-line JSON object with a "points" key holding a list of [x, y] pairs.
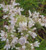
{"points": [[44, 29], [40, 37]]}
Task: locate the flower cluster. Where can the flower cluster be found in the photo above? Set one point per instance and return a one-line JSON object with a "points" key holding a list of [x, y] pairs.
{"points": [[19, 28]]}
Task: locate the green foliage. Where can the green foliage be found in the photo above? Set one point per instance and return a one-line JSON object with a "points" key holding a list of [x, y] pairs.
{"points": [[38, 26], [6, 1], [2, 44], [33, 5]]}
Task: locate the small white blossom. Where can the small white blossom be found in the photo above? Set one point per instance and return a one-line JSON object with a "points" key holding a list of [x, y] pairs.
{"points": [[5, 16], [5, 9], [22, 26], [7, 46], [19, 10], [12, 28], [1, 5], [32, 47], [22, 40], [34, 28], [36, 44], [14, 4], [35, 14], [14, 41], [3, 35], [22, 33], [30, 14], [33, 34], [31, 23], [23, 47], [7, 27], [13, 20]]}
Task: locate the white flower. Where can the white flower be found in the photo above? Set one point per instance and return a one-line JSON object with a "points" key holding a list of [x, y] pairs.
{"points": [[12, 36], [7, 27], [5, 9], [42, 24], [32, 47], [22, 26], [1, 5], [13, 20], [14, 41], [35, 14], [5, 16], [22, 40], [34, 28], [26, 35], [7, 46], [45, 24], [19, 10], [14, 4], [23, 47], [18, 48], [22, 34], [33, 34], [3, 35], [29, 13], [42, 21], [39, 20], [12, 28], [13, 11], [36, 44], [31, 23], [42, 16]]}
